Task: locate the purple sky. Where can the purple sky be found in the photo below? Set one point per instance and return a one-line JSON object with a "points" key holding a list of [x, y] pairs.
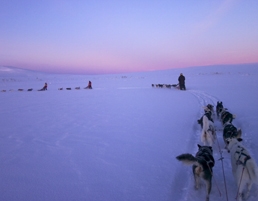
{"points": [[109, 36]]}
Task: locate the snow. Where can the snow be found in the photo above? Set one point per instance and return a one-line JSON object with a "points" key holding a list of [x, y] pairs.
{"points": [[118, 141]]}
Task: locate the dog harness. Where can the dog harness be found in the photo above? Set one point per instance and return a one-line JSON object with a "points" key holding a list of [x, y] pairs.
{"points": [[243, 156], [205, 158], [208, 115]]}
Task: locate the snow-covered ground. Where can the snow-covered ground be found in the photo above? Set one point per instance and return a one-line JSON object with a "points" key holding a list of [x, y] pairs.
{"points": [[120, 140]]}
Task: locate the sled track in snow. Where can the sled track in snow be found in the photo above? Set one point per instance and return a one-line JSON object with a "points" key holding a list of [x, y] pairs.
{"points": [[218, 182], [204, 99]]}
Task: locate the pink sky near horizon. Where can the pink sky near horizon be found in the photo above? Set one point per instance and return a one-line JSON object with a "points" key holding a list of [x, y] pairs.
{"points": [[125, 36]]}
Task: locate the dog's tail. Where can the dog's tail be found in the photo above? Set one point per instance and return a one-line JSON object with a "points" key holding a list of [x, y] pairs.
{"points": [[187, 159], [252, 170]]}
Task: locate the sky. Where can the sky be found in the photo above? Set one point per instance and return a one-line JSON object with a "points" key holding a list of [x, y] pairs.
{"points": [[125, 36]]}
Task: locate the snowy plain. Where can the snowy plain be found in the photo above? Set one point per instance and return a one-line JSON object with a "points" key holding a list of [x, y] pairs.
{"points": [[118, 141]]}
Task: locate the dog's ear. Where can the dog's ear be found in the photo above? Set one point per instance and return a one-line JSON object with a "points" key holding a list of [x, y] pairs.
{"points": [[199, 146], [239, 139]]}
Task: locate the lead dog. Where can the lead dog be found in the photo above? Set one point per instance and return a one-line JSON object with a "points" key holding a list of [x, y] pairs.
{"points": [[219, 108], [202, 165], [211, 108], [208, 113], [243, 167]]}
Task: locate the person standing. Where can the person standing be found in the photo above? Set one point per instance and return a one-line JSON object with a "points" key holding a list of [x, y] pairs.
{"points": [[181, 80]]}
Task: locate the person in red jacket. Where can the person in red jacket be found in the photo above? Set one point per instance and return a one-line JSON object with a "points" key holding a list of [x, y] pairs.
{"points": [[44, 88]]}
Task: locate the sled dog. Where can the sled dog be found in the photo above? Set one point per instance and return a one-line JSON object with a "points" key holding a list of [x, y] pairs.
{"points": [[219, 108], [230, 131], [226, 116], [202, 165], [208, 114], [243, 167], [210, 107], [208, 131]]}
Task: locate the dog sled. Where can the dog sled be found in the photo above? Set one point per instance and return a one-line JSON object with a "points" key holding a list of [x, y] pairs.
{"points": [[166, 86]]}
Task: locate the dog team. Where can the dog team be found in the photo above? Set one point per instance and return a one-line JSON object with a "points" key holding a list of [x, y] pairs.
{"points": [[164, 85], [45, 88], [243, 165]]}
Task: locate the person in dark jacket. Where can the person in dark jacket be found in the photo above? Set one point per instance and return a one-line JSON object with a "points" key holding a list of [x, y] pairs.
{"points": [[181, 80], [89, 85], [44, 88]]}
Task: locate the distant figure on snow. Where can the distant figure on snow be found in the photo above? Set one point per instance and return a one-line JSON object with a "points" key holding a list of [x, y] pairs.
{"points": [[89, 86], [181, 80], [44, 88]]}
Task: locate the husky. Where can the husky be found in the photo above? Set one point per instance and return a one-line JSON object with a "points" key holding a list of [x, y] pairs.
{"points": [[208, 131], [210, 107], [244, 167], [202, 165], [230, 131], [226, 116], [208, 114], [159, 85], [219, 108]]}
